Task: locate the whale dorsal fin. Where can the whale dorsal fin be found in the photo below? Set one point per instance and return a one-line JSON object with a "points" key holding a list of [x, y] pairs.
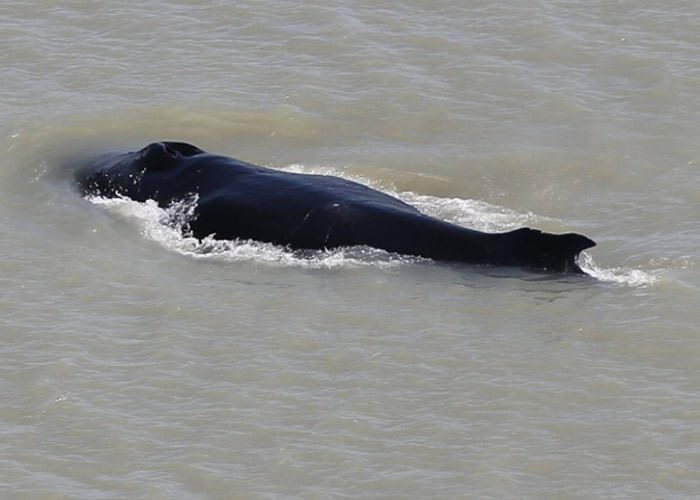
{"points": [[553, 252]]}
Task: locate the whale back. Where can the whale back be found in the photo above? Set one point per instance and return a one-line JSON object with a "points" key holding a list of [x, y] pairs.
{"points": [[240, 200]]}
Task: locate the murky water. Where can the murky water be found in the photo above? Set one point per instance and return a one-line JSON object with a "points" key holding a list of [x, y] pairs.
{"points": [[138, 363]]}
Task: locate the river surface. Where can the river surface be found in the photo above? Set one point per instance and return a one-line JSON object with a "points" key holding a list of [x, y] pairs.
{"points": [[137, 363]]}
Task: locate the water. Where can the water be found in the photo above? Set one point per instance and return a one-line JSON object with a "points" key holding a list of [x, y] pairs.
{"points": [[140, 364]]}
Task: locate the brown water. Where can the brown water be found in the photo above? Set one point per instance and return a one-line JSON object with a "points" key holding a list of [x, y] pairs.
{"points": [[140, 364]]}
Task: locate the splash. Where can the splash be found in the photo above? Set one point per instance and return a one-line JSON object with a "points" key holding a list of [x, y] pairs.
{"points": [[471, 213], [618, 275], [168, 227]]}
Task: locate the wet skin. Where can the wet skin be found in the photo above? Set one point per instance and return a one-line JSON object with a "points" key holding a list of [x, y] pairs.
{"points": [[239, 200]]}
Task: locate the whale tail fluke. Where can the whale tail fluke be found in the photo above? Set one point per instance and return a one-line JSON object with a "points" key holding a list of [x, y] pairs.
{"points": [[552, 252]]}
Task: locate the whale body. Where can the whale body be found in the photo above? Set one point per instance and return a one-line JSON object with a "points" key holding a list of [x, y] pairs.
{"points": [[239, 200]]}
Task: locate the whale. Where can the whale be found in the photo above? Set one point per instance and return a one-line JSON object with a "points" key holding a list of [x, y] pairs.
{"points": [[236, 200]]}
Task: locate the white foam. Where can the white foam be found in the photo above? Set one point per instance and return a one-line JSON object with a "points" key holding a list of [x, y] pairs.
{"points": [[470, 213], [165, 227], [618, 275]]}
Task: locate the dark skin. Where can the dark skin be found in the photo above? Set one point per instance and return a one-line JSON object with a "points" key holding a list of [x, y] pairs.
{"points": [[238, 200]]}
